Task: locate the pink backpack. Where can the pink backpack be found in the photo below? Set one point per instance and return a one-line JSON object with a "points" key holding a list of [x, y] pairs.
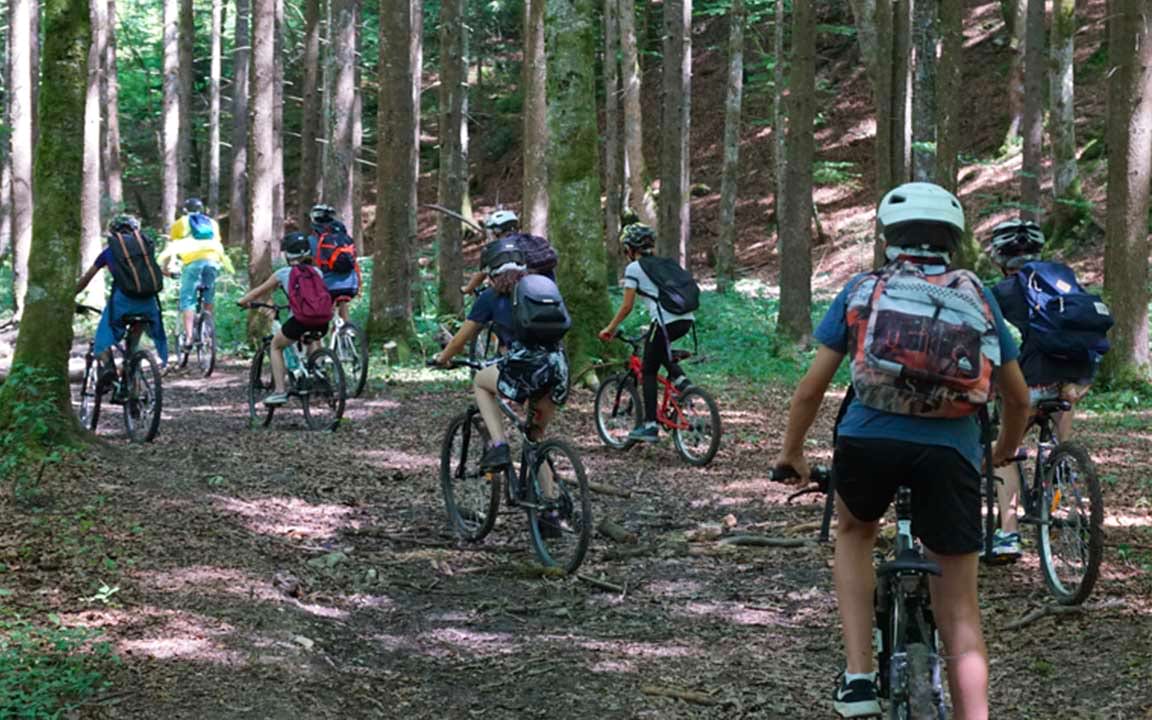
{"points": [[308, 296]]}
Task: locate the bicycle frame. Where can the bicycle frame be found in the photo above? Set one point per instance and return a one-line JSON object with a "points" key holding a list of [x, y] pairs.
{"points": [[667, 400], [519, 480]]}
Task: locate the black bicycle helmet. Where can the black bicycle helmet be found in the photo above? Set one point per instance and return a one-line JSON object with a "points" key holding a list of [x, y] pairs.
{"points": [[321, 214], [295, 245], [638, 236], [123, 222], [500, 253], [1015, 243], [193, 205]]}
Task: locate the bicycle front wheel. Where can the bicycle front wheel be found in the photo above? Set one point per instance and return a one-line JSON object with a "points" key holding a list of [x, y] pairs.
{"points": [[88, 402], [1071, 533], [323, 398], [471, 497], [559, 509], [352, 349], [143, 397], [697, 436], [206, 347], [260, 383], [618, 411]]}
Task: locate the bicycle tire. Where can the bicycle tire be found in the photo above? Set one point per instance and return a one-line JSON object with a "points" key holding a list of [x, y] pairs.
{"points": [[711, 425], [352, 348], [617, 399], [559, 528], [143, 390], [923, 682], [326, 389], [88, 405], [260, 382], [471, 498], [206, 346], [1083, 485]]}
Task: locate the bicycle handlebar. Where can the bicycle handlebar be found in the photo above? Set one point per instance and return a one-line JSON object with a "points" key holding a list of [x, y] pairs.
{"points": [[86, 309], [819, 476], [454, 363], [271, 306]]}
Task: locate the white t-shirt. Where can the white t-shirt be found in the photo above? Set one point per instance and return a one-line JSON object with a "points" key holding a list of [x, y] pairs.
{"points": [[638, 280]]}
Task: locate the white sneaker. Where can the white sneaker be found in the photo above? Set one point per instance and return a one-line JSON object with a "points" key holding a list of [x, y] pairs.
{"points": [[1006, 545], [276, 399]]}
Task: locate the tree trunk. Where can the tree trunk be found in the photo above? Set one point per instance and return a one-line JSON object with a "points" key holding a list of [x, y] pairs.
{"points": [[574, 180], [214, 107], [21, 110], [339, 160], [864, 16], [397, 173], [307, 193], [1068, 207], [1129, 174], [640, 196], [1015, 29], [37, 7], [452, 177], [278, 127], [882, 93], [1035, 81], [901, 91], [46, 333], [675, 129], [241, 61], [613, 171], [924, 116], [795, 316], [5, 149], [949, 89], [535, 80], [262, 150], [188, 183], [90, 226], [172, 112], [110, 100], [358, 142], [779, 117], [726, 245]]}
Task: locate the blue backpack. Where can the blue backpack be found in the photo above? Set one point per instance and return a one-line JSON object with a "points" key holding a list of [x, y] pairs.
{"points": [[1064, 321], [201, 226]]}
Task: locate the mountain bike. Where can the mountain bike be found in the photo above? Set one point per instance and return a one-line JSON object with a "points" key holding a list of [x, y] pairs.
{"points": [[550, 486], [690, 415], [350, 344], [908, 642], [1065, 504], [318, 381], [135, 384], [203, 336]]}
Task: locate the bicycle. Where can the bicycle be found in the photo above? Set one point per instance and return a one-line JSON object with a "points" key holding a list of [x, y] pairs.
{"points": [[559, 517], [318, 382], [350, 345], [135, 385], [203, 336], [908, 643], [1064, 502], [691, 415]]}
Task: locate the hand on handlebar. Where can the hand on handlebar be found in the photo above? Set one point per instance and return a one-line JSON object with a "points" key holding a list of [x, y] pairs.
{"points": [[791, 470], [607, 334]]}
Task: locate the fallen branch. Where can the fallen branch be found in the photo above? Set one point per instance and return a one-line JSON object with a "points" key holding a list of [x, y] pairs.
{"points": [[697, 698], [602, 584], [620, 534], [609, 490], [628, 553], [764, 541], [1041, 612]]}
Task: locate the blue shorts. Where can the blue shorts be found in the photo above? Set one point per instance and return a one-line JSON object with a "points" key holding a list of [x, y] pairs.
{"points": [[112, 328], [199, 272]]}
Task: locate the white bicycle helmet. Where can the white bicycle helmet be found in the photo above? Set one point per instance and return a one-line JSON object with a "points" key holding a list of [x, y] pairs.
{"points": [[501, 219], [920, 202], [1015, 243]]}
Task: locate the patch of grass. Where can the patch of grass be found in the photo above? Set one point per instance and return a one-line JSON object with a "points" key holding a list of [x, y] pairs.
{"points": [[46, 671], [836, 172]]}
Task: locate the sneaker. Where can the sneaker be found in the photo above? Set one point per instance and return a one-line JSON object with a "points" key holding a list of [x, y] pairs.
{"points": [[1006, 546], [648, 432], [276, 399], [682, 383], [496, 457], [550, 524], [856, 699]]}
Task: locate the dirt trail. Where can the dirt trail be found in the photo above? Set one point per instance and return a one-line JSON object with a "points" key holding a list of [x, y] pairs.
{"points": [[288, 574]]}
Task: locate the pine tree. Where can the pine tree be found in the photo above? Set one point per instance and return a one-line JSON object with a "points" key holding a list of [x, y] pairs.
{"points": [[725, 246]]}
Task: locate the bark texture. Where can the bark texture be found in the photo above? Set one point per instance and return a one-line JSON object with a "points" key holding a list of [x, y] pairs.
{"points": [[188, 183], [640, 196], [1015, 12], [241, 65], [453, 174], [110, 100], [90, 225], [307, 192], [675, 130], [21, 110], [262, 151], [171, 135], [339, 160], [726, 244], [948, 93], [278, 125], [901, 91], [1068, 206], [535, 79], [882, 94], [1035, 81], [924, 115], [613, 169], [214, 106], [779, 115]]}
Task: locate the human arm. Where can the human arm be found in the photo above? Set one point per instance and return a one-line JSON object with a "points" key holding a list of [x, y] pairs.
{"points": [[804, 406], [86, 278], [625, 309], [259, 291], [466, 332], [475, 281], [1016, 406]]}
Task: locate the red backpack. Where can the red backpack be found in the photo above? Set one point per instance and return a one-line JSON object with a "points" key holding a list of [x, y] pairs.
{"points": [[308, 297]]}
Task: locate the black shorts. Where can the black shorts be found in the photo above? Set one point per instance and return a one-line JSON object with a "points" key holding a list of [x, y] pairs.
{"points": [[294, 329], [945, 489], [337, 294]]}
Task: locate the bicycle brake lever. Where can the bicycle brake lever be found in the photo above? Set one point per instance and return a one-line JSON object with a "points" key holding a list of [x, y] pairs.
{"points": [[810, 490]]}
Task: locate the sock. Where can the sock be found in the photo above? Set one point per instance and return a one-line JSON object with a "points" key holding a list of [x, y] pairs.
{"points": [[497, 444], [851, 677]]}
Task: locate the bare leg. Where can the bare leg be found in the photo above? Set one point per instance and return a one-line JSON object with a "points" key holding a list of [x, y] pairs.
{"points": [[957, 612], [484, 385], [342, 309], [855, 584], [278, 372], [189, 316], [543, 412], [1008, 494]]}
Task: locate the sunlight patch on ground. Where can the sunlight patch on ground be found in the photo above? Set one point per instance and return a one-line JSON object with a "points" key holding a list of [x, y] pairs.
{"points": [[485, 644], [206, 579], [164, 634], [613, 666], [676, 588], [631, 649], [862, 130], [287, 516], [1127, 520], [735, 613]]}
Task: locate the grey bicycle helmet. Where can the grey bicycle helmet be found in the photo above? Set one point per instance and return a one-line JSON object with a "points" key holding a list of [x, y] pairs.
{"points": [[1015, 243], [920, 214], [321, 214], [502, 221]]}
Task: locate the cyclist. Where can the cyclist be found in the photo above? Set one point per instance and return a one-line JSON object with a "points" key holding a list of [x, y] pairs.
{"points": [[921, 224], [528, 371], [503, 225], [335, 254], [1016, 243], [136, 285], [639, 241], [298, 252], [195, 240]]}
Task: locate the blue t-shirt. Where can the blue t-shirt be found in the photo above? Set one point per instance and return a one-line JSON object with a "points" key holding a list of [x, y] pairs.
{"points": [[861, 421], [105, 259], [492, 307]]}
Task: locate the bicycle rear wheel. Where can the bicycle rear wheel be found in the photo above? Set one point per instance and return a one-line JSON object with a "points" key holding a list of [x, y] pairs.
{"points": [[914, 682], [618, 411], [260, 383], [352, 349], [559, 509], [323, 398], [1071, 534], [206, 346], [143, 397], [698, 442], [471, 498], [88, 402]]}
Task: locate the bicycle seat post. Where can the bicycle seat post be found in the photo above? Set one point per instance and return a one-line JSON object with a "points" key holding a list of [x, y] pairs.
{"points": [[903, 520]]}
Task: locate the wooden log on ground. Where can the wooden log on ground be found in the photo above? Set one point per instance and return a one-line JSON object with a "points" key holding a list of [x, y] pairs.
{"points": [[620, 534], [765, 541], [1044, 611], [602, 584], [609, 490], [691, 696]]}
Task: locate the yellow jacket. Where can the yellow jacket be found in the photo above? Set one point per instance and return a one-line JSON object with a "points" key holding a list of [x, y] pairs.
{"points": [[189, 249]]}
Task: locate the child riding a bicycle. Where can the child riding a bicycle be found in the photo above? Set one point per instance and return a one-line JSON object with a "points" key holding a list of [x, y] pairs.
{"points": [[195, 241], [303, 284], [912, 421], [334, 252]]}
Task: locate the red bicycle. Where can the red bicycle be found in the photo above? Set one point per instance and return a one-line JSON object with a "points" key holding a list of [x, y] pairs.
{"points": [[690, 415]]}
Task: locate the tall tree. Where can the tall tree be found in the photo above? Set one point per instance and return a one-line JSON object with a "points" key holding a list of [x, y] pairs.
{"points": [[452, 177], [726, 245], [357, 219], [90, 225], [262, 151], [882, 79], [1068, 205], [397, 173], [613, 171], [278, 124], [21, 111], [5, 151], [948, 93], [339, 160], [535, 80], [306, 192], [1015, 13], [779, 116], [901, 91], [675, 129], [1129, 174], [864, 17], [573, 176], [640, 196], [172, 112], [924, 115], [214, 106], [795, 315], [188, 184], [1035, 82], [110, 100], [46, 333], [241, 62]]}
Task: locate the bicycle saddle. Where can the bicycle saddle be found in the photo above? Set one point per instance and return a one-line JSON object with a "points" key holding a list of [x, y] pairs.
{"points": [[135, 319], [678, 355], [909, 562], [1053, 406], [342, 299], [312, 336]]}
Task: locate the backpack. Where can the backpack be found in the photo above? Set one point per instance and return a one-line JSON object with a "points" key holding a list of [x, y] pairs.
{"points": [[335, 249], [922, 345], [201, 226], [134, 270], [539, 317], [679, 294], [539, 255], [308, 297], [1064, 321]]}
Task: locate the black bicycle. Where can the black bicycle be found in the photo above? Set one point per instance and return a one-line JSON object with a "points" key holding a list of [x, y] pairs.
{"points": [[550, 486], [203, 337], [1065, 504], [134, 385]]}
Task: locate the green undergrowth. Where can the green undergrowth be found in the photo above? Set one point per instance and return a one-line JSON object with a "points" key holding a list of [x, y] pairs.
{"points": [[28, 441], [47, 670]]}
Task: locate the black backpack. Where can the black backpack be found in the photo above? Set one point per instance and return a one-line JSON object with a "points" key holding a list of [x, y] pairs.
{"points": [[679, 293], [335, 249], [539, 255], [539, 317], [134, 267]]}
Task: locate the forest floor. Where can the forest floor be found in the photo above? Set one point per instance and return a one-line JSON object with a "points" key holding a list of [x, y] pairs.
{"points": [[281, 573]]}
